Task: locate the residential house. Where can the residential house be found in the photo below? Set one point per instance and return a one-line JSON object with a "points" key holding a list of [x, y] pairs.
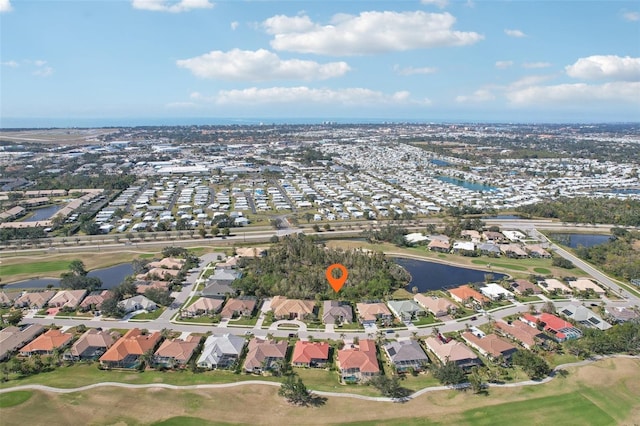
{"points": [[167, 263], [438, 306], [175, 352], [493, 236], [8, 299], [34, 300], [91, 345], [513, 251], [524, 287], [137, 303], [528, 336], [619, 314], [405, 355], [464, 294], [405, 310], [490, 345], [496, 292], [262, 355], [369, 313], [67, 299], [453, 351], [551, 285], [202, 306], [94, 300], [560, 329], [439, 246], [46, 343], [335, 312], [358, 363], [585, 316], [237, 307], [221, 351], [463, 246], [585, 284], [489, 249], [284, 308], [126, 352], [471, 234], [162, 274], [12, 338], [537, 251], [310, 354], [218, 290]]}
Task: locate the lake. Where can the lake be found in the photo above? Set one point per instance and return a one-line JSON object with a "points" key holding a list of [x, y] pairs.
{"points": [[110, 277], [429, 276], [44, 213], [575, 240], [466, 184]]}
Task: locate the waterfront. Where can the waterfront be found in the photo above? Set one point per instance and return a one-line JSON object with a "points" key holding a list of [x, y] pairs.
{"points": [[428, 276], [472, 186], [110, 277], [584, 240]]}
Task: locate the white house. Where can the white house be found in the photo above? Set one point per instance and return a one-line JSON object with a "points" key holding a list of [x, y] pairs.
{"points": [[496, 292]]}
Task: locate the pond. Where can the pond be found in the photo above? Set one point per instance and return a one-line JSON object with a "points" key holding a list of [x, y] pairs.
{"points": [[110, 277], [429, 276], [466, 184], [44, 213], [575, 240], [503, 216]]}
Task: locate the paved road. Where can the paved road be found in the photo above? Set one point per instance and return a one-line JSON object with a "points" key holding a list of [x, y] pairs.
{"points": [[320, 393]]}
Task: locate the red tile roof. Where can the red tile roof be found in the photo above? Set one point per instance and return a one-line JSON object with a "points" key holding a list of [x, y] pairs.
{"points": [[48, 341], [304, 352], [465, 292], [134, 343], [363, 357]]}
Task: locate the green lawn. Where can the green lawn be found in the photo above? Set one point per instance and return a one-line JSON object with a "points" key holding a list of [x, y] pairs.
{"points": [[425, 320], [14, 398], [244, 321], [35, 268], [188, 421], [543, 271], [329, 381], [199, 320], [149, 315], [500, 265], [566, 409]]}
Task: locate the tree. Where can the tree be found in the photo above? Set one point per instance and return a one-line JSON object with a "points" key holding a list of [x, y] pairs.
{"points": [[14, 317], [475, 380], [548, 308], [389, 387], [533, 365], [561, 262], [76, 267], [295, 392], [449, 374]]}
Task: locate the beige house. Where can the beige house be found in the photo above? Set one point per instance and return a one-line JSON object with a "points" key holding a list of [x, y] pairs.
{"points": [[438, 306], [67, 299], [369, 313], [284, 308]]}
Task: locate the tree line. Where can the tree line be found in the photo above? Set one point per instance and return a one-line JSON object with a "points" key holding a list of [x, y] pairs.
{"points": [[587, 210]]}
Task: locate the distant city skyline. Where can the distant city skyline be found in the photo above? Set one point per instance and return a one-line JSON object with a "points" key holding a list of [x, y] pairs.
{"points": [[167, 62]]}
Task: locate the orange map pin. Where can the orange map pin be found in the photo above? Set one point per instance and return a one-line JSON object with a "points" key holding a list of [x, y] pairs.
{"points": [[337, 283]]}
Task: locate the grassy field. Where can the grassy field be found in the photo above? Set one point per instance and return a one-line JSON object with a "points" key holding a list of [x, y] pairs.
{"points": [[603, 393], [14, 398]]}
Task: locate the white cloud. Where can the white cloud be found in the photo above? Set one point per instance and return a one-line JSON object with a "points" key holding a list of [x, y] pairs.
{"points": [[413, 71], [10, 64], [5, 6], [605, 67], [171, 6], [43, 71], [307, 95], [514, 33], [438, 3], [367, 33], [530, 80], [259, 65], [234, 25], [504, 64], [631, 16], [531, 65], [39, 63], [579, 94], [481, 95]]}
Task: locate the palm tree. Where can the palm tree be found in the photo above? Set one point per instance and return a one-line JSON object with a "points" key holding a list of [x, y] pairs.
{"points": [[147, 359]]}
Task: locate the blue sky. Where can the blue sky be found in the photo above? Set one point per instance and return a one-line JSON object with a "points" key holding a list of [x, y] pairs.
{"points": [[429, 60]]}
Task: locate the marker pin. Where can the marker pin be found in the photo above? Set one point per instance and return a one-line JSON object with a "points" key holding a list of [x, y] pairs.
{"points": [[337, 283]]}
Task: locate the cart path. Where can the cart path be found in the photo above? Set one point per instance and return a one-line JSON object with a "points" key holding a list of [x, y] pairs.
{"points": [[319, 393]]}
